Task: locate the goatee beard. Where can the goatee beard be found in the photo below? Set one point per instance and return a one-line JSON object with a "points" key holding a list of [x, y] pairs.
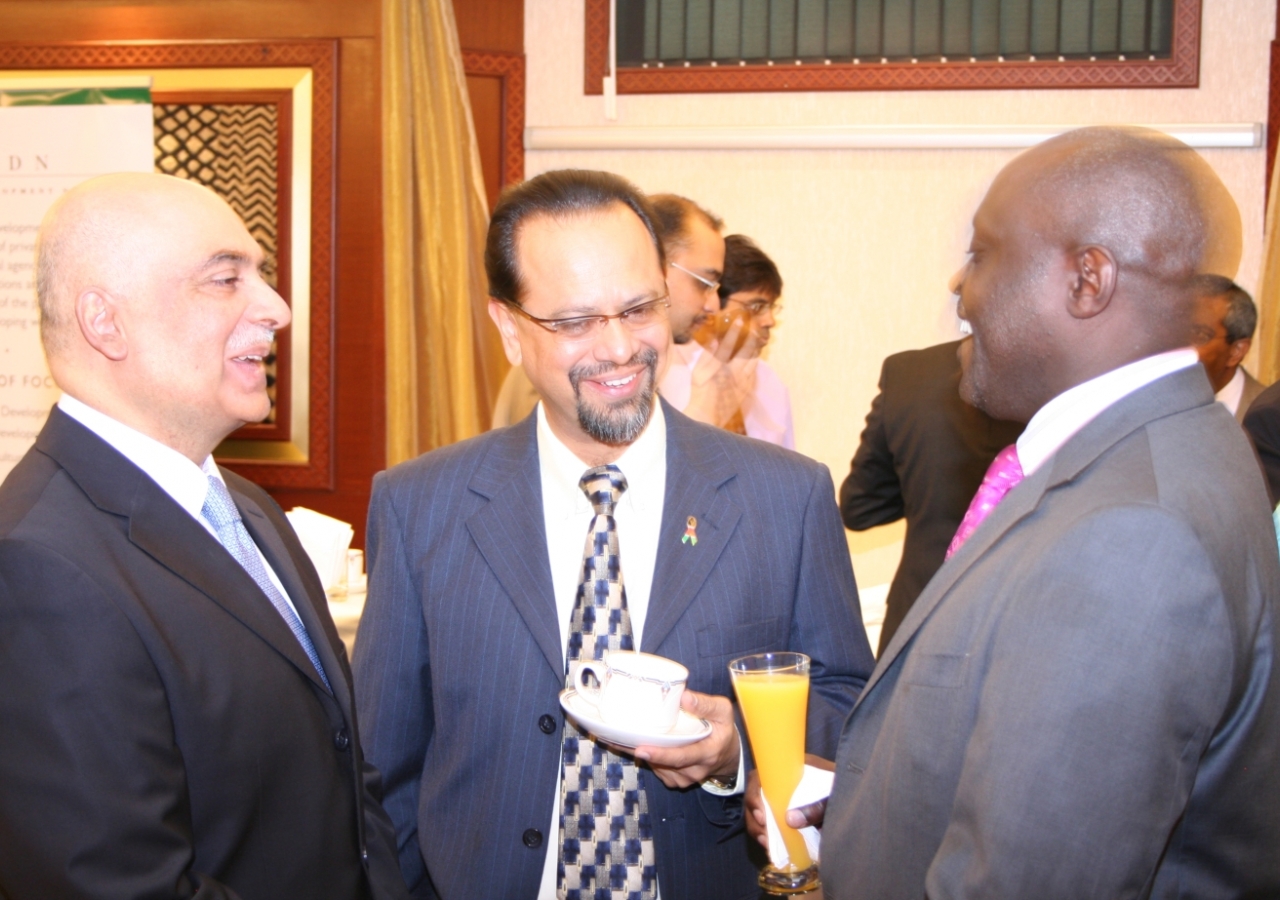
{"points": [[617, 424]]}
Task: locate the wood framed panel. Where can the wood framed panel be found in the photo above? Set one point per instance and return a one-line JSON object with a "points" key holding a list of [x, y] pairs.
{"points": [[501, 137], [275, 456], [1181, 70]]}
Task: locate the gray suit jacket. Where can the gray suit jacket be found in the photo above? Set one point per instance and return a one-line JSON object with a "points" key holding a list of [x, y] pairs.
{"points": [[459, 667], [165, 734], [1085, 701]]}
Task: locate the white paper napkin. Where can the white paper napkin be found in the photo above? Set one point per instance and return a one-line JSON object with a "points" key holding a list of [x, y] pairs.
{"points": [[814, 785], [326, 540]]}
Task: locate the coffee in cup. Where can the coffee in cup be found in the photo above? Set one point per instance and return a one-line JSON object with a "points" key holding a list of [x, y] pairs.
{"points": [[639, 690]]}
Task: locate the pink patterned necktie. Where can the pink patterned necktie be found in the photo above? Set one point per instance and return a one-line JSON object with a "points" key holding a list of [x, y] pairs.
{"points": [[1002, 476]]}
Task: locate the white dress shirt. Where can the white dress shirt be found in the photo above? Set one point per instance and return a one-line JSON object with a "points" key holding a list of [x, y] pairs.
{"points": [[567, 515], [1058, 420], [172, 472], [1232, 392], [766, 412]]}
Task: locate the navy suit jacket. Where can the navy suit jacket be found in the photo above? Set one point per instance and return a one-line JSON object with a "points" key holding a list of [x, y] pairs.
{"points": [[165, 735], [459, 666]]}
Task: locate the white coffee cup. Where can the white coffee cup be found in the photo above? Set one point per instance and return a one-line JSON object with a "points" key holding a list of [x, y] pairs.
{"points": [[636, 689]]}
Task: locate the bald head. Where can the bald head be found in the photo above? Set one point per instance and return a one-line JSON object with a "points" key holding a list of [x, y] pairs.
{"points": [[102, 233], [1147, 197], [153, 308], [1082, 254]]}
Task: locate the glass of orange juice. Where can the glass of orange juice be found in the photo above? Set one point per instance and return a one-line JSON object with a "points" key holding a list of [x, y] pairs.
{"points": [[773, 693]]}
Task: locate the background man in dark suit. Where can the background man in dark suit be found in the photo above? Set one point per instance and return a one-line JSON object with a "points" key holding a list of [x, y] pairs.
{"points": [[922, 455], [1085, 700], [177, 707], [721, 545], [1224, 321]]}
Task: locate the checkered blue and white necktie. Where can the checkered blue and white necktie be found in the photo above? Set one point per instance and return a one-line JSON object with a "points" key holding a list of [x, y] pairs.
{"points": [[221, 512], [606, 836]]}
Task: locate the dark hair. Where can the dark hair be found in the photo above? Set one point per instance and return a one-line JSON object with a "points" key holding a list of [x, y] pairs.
{"points": [[747, 268], [672, 214], [559, 194], [1241, 318]]}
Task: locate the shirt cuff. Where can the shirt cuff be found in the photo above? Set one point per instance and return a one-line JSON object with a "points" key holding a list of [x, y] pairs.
{"points": [[740, 785]]}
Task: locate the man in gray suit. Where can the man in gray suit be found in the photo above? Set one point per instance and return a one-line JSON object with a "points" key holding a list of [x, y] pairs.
{"points": [[1085, 701], [714, 545]]}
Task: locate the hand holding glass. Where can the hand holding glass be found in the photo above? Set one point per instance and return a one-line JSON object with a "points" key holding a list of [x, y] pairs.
{"points": [[773, 692]]}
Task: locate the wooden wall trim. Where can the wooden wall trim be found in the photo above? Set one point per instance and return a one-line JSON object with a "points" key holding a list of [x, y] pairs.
{"points": [[509, 68], [1182, 70]]}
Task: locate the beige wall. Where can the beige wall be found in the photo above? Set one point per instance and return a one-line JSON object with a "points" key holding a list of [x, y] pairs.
{"points": [[866, 240]]}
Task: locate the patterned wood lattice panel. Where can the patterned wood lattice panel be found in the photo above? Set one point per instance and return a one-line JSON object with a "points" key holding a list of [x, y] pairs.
{"points": [[1182, 70], [233, 149]]}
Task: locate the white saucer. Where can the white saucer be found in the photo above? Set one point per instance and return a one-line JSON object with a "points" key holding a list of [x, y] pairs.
{"points": [[688, 729]]}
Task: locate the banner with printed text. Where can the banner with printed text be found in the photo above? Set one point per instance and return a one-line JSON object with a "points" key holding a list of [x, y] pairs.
{"points": [[52, 136]]}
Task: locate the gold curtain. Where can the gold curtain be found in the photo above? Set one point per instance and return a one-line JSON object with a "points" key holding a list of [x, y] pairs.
{"points": [[1268, 334], [444, 359]]}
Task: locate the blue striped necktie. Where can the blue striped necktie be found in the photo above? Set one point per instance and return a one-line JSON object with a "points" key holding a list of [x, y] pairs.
{"points": [[221, 512], [606, 835]]}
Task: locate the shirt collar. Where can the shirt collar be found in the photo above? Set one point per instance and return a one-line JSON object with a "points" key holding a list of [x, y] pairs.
{"points": [[1232, 392], [643, 463], [176, 475], [1058, 420]]}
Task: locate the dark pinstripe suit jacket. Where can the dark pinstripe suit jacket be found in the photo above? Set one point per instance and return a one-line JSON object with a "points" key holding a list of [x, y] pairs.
{"points": [[459, 666]]}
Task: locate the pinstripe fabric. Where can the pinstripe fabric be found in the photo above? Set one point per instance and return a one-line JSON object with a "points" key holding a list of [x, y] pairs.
{"points": [[458, 662]]}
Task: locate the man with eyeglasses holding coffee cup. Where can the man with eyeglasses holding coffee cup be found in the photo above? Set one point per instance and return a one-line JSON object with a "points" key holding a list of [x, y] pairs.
{"points": [[700, 547], [711, 375]]}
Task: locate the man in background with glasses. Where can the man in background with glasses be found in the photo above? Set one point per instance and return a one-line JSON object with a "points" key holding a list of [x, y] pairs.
{"points": [[755, 400], [700, 547], [712, 373]]}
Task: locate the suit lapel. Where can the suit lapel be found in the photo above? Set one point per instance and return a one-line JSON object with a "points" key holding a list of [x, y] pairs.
{"points": [[510, 532], [696, 470], [1017, 504], [163, 530], [1178, 392], [306, 593]]}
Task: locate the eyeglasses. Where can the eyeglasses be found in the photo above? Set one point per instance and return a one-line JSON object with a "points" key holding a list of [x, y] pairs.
{"points": [[760, 307], [582, 328], [706, 282]]}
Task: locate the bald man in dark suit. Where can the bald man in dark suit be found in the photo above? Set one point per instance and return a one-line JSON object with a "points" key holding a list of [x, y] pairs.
{"points": [[177, 707]]}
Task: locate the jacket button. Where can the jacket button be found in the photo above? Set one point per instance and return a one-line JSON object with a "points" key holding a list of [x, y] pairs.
{"points": [[547, 724], [342, 739], [532, 838]]}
